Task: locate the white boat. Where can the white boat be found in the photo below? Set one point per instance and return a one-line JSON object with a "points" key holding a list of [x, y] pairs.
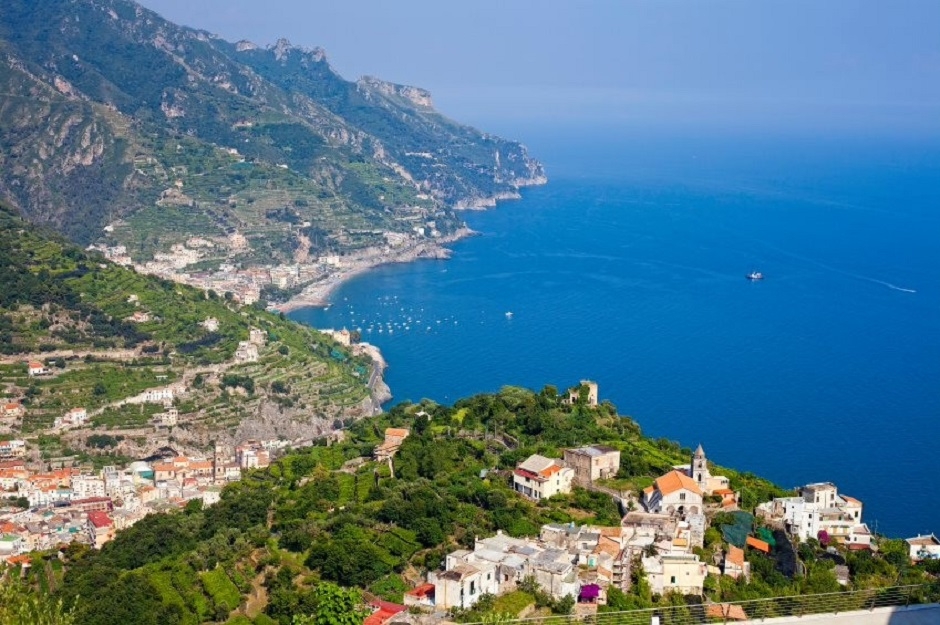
{"points": [[509, 315], [754, 275]]}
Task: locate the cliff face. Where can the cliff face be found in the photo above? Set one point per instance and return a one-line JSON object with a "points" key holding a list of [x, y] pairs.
{"points": [[105, 106]]}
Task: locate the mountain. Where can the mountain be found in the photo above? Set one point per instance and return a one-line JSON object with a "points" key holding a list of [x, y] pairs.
{"points": [[105, 334], [116, 118]]}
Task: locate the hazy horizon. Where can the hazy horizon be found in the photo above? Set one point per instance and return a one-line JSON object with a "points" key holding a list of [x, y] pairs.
{"points": [[840, 65]]}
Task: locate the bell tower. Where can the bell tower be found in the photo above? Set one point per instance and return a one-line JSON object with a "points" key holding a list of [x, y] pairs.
{"points": [[699, 469]]}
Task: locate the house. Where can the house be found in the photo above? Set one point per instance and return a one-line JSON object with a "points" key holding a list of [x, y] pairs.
{"points": [[246, 352], [819, 508], [139, 317], [12, 409], [36, 368], [463, 585], [735, 565], [76, 417], [11, 545], [682, 573], [540, 477], [211, 324], [12, 448], [383, 612], [596, 462], [252, 455], [394, 437], [100, 528], [422, 596], [924, 547], [257, 336], [674, 493]]}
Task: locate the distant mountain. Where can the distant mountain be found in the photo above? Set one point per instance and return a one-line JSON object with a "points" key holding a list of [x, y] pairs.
{"points": [[113, 116]]}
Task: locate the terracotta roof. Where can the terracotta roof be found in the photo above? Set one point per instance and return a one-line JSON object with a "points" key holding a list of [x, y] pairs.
{"points": [[851, 499], [402, 432], [36, 365], [609, 546], [100, 519], [676, 480], [758, 544], [421, 591], [728, 611], [735, 556]]}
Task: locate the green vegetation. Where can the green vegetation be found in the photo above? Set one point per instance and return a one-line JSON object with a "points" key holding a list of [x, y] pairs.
{"points": [[272, 144], [70, 310], [313, 522]]}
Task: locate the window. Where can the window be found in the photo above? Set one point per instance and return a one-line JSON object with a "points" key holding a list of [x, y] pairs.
{"points": [[473, 588], [672, 580], [681, 496], [488, 577]]}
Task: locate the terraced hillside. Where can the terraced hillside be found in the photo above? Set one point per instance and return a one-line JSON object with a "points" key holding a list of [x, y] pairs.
{"points": [[79, 332]]}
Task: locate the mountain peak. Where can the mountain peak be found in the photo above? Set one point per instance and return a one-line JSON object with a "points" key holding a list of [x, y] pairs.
{"points": [[284, 48], [416, 95]]}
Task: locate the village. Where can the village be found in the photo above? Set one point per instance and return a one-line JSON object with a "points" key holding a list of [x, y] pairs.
{"points": [[69, 505], [660, 537]]}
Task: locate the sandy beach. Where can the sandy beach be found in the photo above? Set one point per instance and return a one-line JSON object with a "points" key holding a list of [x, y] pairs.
{"points": [[318, 294]]}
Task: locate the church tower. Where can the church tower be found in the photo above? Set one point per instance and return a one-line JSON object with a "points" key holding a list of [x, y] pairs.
{"points": [[699, 469]]}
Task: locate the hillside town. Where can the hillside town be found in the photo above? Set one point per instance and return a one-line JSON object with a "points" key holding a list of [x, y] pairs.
{"points": [[72, 505], [659, 540]]}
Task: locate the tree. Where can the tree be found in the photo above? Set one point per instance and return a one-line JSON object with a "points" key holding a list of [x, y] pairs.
{"points": [[334, 606], [19, 605]]}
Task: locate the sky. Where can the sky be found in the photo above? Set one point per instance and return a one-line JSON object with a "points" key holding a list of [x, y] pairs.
{"points": [[812, 64]]}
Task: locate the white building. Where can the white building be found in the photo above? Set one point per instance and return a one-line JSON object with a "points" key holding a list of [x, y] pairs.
{"points": [[819, 508], [674, 493], [682, 573], [84, 486], [246, 352], [462, 586], [12, 448], [924, 547], [540, 477]]}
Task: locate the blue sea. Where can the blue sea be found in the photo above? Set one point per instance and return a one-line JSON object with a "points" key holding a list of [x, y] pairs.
{"points": [[629, 267]]}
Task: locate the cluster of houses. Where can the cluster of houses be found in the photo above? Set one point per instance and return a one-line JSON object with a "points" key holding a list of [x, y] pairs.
{"points": [[584, 562], [819, 511], [68, 504]]}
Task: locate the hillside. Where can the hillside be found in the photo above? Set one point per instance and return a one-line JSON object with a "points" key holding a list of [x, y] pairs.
{"points": [[328, 515], [115, 117], [104, 334]]}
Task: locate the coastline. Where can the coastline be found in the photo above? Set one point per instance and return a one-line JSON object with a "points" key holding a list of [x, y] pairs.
{"points": [[318, 294]]}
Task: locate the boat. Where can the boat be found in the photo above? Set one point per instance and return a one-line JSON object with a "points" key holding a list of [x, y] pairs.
{"points": [[754, 275], [509, 315]]}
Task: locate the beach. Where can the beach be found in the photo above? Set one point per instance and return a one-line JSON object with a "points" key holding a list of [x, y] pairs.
{"points": [[317, 294]]}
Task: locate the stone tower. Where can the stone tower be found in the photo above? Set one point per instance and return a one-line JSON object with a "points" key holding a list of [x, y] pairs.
{"points": [[698, 470], [219, 461]]}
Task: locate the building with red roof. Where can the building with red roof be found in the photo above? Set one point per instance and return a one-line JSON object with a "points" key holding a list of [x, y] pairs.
{"points": [[384, 612]]}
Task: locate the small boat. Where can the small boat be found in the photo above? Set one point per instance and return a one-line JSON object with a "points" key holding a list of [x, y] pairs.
{"points": [[509, 315], [754, 275]]}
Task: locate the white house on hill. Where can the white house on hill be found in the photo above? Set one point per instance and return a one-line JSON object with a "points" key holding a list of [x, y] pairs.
{"points": [[674, 493], [540, 477]]}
